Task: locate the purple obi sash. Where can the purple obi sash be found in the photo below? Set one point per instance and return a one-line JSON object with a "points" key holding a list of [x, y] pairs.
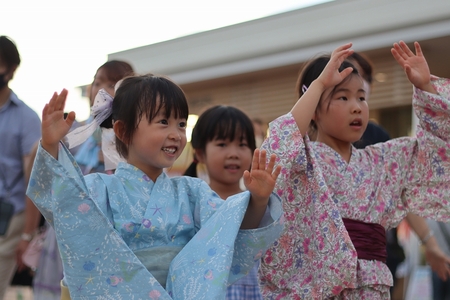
{"points": [[369, 239]]}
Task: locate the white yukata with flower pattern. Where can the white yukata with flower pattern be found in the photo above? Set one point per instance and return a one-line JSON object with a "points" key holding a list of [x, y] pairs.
{"points": [[118, 234], [314, 258]]}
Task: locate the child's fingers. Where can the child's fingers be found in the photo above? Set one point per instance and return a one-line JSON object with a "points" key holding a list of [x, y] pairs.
{"points": [[346, 72], [342, 47], [397, 56], [406, 49], [51, 103], [70, 119], [255, 161], [276, 172], [262, 159], [62, 100], [401, 52], [418, 49], [246, 177], [271, 164]]}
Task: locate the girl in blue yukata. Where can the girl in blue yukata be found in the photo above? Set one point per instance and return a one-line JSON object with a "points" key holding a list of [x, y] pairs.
{"points": [[138, 234], [223, 140]]}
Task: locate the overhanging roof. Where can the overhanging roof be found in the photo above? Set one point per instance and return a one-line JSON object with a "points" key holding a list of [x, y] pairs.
{"points": [[291, 37]]}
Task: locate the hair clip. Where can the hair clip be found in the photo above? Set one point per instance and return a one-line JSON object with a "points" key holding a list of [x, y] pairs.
{"points": [[304, 89]]}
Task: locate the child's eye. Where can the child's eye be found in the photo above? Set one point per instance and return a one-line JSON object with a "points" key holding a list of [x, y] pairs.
{"points": [[362, 99], [243, 145], [343, 98], [221, 144], [164, 121], [183, 124]]}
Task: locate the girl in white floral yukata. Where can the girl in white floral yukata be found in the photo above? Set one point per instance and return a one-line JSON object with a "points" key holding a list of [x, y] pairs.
{"points": [[338, 201]]}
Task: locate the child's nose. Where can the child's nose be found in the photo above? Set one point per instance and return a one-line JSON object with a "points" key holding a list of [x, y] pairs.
{"points": [[233, 152], [356, 108], [175, 135]]}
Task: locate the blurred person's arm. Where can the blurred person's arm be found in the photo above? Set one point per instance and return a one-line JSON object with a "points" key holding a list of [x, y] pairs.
{"points": [[435, 257], [32, 214]]}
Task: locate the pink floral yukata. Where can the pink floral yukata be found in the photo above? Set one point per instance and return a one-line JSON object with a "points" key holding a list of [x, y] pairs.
{"points": [[314, 258]]}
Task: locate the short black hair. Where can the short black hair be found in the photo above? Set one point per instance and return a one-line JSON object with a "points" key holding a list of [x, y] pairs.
{"points": [[365, 64], [145, 95], [8, 52], [221, 122]]}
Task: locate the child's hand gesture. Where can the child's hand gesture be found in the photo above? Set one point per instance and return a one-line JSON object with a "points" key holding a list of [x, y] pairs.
{"points": [[260, 181], [54, 126], [415, 65], [330, 76]]}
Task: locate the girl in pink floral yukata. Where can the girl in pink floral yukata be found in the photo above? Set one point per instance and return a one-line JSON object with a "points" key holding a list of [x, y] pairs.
{"points": [[338, 200]]}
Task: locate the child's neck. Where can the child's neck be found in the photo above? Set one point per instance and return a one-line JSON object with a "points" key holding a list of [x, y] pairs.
{"points": [[225, 190], [341, 147]]}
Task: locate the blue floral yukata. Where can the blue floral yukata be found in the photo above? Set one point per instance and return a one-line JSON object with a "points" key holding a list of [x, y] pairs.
{"points": [[124, 236]]}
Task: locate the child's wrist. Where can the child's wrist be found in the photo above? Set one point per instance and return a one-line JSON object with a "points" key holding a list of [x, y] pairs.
{"points": [[319, 85]]}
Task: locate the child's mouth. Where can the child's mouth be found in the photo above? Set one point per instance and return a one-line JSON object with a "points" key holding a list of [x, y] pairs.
{"points": [[232, 167], [169, 150]]}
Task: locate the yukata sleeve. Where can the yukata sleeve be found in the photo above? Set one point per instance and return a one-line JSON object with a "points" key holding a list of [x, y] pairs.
{"points": [[286, 141], [250, 244], [220, 253], [427, 191], [97, 261], [50, 178]]}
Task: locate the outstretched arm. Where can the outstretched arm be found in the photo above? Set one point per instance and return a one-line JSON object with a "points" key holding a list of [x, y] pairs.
{"points": [[54, 126], [434, 255], [260, 182], [304, 109], [415, 65]]}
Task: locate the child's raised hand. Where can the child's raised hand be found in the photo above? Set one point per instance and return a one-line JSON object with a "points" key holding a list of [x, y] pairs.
{"points": [[260, 181], [415, 65], [54, 126], [330, 76]]}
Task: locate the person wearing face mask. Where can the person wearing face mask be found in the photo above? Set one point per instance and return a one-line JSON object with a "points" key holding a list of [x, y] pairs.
{"points": [[20, 129]]}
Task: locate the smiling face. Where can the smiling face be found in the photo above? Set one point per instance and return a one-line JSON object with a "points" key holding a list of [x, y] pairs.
{"points": [[226, 160], [157, 144], [343, 117]]}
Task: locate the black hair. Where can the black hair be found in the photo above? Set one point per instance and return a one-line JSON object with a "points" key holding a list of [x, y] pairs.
{"points": [[145, 95], [220, 122], [365, 64], [311, 72], [9, 55]]}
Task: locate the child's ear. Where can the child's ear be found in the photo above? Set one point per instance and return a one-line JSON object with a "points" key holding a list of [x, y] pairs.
{"points": [[119, 130], [200, 155]]}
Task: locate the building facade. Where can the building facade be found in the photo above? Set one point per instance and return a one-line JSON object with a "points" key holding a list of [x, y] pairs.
{"points": [[254, 65]]}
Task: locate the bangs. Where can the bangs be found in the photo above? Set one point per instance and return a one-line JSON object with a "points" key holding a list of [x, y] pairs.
{"points": [[163, 94], [231, 124]]}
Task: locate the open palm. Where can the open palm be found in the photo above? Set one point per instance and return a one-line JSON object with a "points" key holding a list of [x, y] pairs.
{"points": [[415, 65], [260, 181], [330, 75], [54, 126]]}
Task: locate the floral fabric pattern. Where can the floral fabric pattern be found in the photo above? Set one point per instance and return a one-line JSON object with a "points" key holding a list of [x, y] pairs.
{"points": [[314, 258]]}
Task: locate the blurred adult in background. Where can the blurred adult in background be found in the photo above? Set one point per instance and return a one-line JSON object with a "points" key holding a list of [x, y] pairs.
{"points": [[20, 129], [440, 278]]}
